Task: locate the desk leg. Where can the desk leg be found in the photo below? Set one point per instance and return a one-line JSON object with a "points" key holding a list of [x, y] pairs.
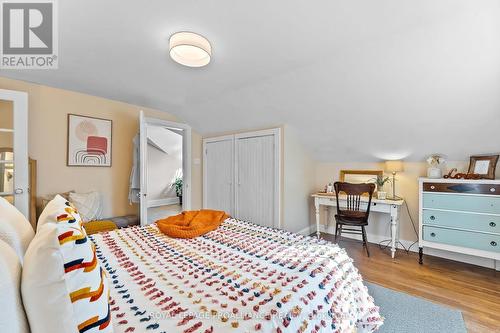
{"points": [[394, 229], [316, 206]]}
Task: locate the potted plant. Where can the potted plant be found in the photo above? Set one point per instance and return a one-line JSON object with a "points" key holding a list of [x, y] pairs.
{"points": [[177, 184], [380, 182]]}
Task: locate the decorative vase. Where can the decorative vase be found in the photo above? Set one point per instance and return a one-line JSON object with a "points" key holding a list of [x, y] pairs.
{"points": [[381, 195], [434, 173]]}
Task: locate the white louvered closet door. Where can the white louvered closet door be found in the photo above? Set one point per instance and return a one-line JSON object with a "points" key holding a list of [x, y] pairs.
{"points": [[255, 179], [219, 175]]}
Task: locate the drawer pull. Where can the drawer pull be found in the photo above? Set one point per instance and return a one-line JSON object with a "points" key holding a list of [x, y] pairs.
{"points": [[433, 187], [493, 224], [433, 234], [493, 243], [432, 217], [492, 190]]}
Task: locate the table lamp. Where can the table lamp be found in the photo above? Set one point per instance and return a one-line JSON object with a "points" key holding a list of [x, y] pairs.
{"points": [[394, 166]]}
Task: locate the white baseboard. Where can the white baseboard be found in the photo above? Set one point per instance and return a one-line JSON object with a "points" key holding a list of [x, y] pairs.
{"points": [[373, 238], [163, 202]]}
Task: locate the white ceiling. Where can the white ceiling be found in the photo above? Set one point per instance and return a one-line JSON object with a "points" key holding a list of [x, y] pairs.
{"points": [[362, 80]]}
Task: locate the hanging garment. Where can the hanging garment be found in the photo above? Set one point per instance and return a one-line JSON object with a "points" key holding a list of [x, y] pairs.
{"points": [[135, 177]]}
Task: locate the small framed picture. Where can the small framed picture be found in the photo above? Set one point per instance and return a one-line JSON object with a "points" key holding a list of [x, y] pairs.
{"points": [[483, 166], [89, 141]]}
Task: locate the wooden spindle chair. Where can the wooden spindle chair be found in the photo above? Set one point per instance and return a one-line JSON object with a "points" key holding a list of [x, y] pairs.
{"points": [[352, 215]]}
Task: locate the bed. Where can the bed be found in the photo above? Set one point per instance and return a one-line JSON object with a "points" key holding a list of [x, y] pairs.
{"points": [[239, 278]]}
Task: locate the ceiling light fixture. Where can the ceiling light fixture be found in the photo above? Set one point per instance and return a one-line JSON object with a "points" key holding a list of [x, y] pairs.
{"points": [[190, 49]]}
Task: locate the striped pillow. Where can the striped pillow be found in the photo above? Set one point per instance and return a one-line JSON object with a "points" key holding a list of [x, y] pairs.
{"points": [[64, 288]]}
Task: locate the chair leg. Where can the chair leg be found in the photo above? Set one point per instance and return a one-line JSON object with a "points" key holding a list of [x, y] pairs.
{"points": [[336, 231], [365, 241], [339, 235]]}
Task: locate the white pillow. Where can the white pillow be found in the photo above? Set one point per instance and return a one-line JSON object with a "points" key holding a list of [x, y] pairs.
{"points": [[64, 288], [12, 316], [89, 205], [15, 229], [55, 210]]}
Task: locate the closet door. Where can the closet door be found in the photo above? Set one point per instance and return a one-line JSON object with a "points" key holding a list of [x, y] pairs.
{"points": [[218, 164], [257, 184]]}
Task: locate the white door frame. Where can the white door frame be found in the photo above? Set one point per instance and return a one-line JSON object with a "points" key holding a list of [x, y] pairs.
{"points": [[276, 132], [186, 161], [19, 101]]}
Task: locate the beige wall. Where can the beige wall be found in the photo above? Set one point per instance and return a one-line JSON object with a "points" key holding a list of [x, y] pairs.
{"points": [[298, 183], [48, 109]]}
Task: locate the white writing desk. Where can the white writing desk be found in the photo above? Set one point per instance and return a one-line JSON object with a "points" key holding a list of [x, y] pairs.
{"points": [[390, 207]]}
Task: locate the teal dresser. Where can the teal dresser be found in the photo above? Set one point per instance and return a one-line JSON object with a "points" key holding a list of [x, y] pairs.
{"points": [[460, 216]]}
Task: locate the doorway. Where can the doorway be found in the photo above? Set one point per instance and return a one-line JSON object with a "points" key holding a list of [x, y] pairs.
{"points": [[14, 177], [165, 155]]}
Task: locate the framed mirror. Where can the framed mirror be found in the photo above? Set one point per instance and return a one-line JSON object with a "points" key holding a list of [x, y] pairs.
{"points": [[360, 176]]}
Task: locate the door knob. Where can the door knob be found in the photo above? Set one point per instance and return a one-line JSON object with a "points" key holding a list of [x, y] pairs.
{"points": [[18, 191]]}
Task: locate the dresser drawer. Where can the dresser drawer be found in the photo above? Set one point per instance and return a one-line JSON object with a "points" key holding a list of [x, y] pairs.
{"points": [[465, 203], [476, 222], [474, 240], [469, 188]]}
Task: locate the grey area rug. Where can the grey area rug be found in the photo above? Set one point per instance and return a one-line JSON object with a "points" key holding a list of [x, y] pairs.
{"points": [[408, 314]]}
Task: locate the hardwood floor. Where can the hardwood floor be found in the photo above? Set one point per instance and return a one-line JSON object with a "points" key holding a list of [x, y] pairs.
{"points": [[472, 289]]}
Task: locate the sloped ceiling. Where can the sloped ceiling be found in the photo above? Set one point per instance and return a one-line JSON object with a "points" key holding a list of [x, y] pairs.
{"points": [[361, 80], [164, 140]]}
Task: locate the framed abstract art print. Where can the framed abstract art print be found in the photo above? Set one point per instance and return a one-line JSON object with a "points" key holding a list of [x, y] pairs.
{"points": [[89, 141]]}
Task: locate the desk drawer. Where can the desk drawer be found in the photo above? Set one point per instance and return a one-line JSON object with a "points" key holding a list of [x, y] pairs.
{"points": [[476, 222], [465, 203], [474, 240]]}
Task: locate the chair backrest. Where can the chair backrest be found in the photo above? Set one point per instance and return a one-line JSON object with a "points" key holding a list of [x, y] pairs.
{"points": [[354, 193]]}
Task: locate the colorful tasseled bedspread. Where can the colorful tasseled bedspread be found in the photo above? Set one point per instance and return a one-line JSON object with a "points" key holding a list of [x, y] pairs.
{"points": [[238, 278]]}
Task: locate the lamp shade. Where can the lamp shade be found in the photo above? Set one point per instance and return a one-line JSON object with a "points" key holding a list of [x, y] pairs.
{"points": [[190, 49], [394, 166]]}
